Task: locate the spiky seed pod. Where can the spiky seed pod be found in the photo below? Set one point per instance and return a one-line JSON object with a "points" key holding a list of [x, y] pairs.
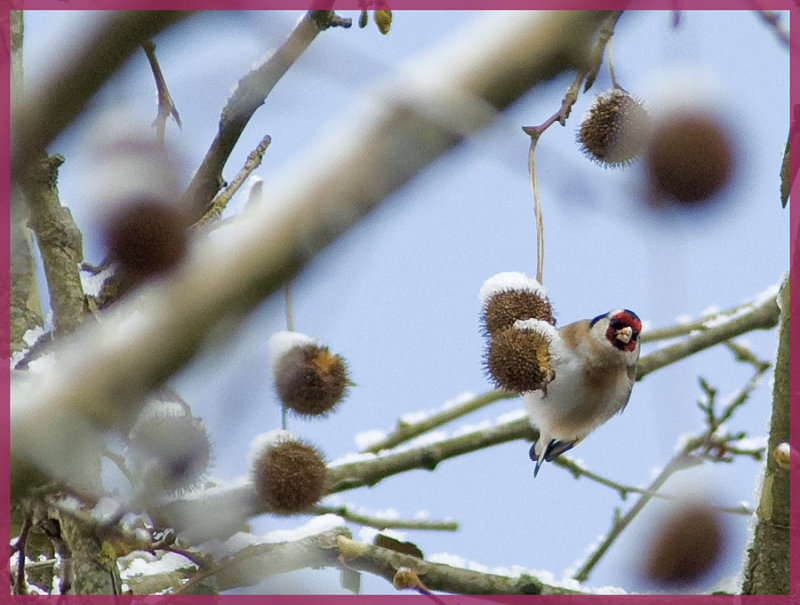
{"points": [[288, 475], [309, 379], [519, 358], [170, 449], [146, 237], [511, 296], [686, 545], [614, 131], [504, 308], [690, 157]]}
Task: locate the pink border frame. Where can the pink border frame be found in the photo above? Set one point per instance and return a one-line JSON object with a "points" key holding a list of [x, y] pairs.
{"points": [[793, 7]]}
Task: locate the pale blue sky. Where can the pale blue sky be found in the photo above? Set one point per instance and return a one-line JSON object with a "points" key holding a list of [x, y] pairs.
{"points": [[397, 296]]}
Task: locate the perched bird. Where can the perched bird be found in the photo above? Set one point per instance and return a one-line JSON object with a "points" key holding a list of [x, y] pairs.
{"points": [[595, 366]]}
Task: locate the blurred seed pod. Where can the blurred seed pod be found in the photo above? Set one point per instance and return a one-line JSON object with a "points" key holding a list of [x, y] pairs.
{"points": [[146, 237], [614, 131], [509, 296], [309, 379], [288, 475], [170, 448], [685, 546], [519, 357], [690, 157]]}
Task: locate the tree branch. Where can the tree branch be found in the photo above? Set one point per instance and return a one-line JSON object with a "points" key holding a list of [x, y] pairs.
{"points": [[166, 106], [60, 101], [384, 522], [219, 203], [766, 568], [370, 472], [407, 431], [385, 563], [761, 317], [60, 243], [249, 95]]}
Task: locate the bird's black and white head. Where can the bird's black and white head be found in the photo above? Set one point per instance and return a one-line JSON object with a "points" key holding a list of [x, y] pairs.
{"points": [[620, 328]]}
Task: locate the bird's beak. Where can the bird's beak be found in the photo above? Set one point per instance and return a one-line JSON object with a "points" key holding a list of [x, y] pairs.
{"points": [[625, 334]]}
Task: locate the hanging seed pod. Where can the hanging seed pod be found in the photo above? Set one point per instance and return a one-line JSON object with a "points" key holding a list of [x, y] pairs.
{"points": [[146, 237], [690, 157], [519, 357], [615, 129], [309, 379], [288, 475], [686, 545], [507, 297]]}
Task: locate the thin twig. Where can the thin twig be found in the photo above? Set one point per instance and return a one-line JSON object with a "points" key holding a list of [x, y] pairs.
{"points": [[384, 523], [166, 106], [561, 116], [625, 490], [679, 462], [219, 203]]}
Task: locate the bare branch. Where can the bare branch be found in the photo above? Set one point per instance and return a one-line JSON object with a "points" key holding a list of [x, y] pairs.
{"points": [[383, 522], [405, 431], [60, 243], [761, 317], [166, 106], [219, 203], [385, 562], [249, 95], [44, 116]]}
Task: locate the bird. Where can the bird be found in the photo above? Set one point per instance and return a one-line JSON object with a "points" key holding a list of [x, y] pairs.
{"points": [[595, 366]]}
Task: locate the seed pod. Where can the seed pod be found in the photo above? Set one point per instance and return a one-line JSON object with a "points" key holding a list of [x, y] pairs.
{"points": [[288, 475], [690, 158], [615, 129], [169, 447], [519, 357], [309, 379], [686, 545], [146, 237], [510, 296]]}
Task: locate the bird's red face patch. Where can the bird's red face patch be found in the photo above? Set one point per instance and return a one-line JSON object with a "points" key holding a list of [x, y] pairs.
{"points": [[623, 330]]}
